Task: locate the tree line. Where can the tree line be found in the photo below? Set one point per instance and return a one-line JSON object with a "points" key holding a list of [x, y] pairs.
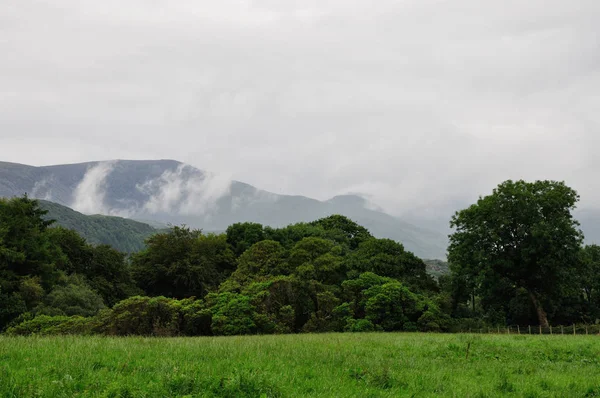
{"points": [[516, 257]]}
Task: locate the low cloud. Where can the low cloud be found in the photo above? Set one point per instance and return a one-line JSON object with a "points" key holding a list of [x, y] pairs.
{"points": [[185, 191], [43, 189], [88, 197]]}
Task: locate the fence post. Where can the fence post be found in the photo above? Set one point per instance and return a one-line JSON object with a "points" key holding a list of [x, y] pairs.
{"points": [[562, 331], [540, 329], [529, 329], [586, 330], [518, 330], [574, 330], [550, 329], [508, 330]]}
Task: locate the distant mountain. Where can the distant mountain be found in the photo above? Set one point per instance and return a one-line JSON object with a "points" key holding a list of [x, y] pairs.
{"points": [[123, 234], [437, 268], [167, 191], [590, 224]]}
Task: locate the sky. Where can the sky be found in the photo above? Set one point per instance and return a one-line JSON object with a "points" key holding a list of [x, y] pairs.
{"points": [[419, 105]]}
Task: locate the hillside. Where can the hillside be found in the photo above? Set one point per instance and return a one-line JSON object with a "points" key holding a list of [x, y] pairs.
{"points": [[123, 234], [167, 191], [437, 268]]}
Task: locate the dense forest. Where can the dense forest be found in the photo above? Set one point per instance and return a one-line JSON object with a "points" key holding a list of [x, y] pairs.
{"points": [[516, 257]]}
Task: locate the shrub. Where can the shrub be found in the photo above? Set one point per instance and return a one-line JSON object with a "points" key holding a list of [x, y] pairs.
{"points": [[75, 298], [232, 314], [146, 316], [45, 325], [359, 325]]}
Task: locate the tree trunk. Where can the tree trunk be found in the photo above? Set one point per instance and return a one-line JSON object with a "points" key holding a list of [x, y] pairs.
{"points": [[542, 317]]}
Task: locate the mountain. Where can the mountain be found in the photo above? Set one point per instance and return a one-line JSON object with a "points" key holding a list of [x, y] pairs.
{"points": [[167, 191], [123, 234], [437, 268]]}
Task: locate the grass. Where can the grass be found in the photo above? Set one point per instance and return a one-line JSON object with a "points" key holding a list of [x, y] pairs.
{"points": [[315, 365]]}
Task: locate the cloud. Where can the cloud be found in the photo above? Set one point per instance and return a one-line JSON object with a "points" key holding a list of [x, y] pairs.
{"points": [[185, 191], [422, 105], [43, 189], [89, 195]]}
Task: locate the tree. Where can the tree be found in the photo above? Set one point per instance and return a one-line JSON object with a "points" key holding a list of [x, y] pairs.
{"points": [[523, 232], [590, 277], [183, 263], [243, 235], [342, 228], [386, 257]]}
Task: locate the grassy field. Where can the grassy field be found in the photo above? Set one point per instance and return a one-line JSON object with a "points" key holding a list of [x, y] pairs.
{"points": [[326, 365]]}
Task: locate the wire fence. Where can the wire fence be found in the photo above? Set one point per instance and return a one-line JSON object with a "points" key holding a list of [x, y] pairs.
{"points": [[551, 330]]}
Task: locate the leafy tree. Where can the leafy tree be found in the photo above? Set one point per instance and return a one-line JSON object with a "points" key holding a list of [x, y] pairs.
{"points": [[261, 259], [523, 233], [183, 263], [232, 314], [74, 298], [25, 248], [317, 259], [590, 273], [347, 230], [106, 269], [242, 236], [386, 257]]}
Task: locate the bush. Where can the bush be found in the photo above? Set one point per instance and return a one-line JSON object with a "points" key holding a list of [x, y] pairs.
{"points": [[75, 298], [146, 316], [359, 325], [44, 325], [195, 318], [232, 314]]}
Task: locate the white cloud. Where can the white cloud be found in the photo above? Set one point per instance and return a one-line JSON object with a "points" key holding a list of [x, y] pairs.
{"points": [[88, 196], [419, 104], [43, 189], [185, 191]]}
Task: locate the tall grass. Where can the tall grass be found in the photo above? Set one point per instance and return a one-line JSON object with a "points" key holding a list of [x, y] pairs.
{"points": [[315, 365]]}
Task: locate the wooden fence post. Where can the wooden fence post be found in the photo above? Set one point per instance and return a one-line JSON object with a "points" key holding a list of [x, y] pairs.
{"points": [[518, 330], [550, 329], [529, 329], [562, 331], [574, 330]]}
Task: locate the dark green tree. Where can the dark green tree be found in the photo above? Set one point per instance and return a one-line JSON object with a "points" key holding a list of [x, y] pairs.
{"points": [[523, 233], [589, 278], [183, 263], [242, 236], [386, 257]]}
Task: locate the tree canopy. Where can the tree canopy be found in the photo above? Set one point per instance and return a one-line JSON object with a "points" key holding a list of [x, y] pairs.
{"points": [[522, 236]]}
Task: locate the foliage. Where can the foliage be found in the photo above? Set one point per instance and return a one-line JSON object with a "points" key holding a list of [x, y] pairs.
{"points": [[75, 297], [44, 325], [515, 254], [522, 235], [183, 263]]}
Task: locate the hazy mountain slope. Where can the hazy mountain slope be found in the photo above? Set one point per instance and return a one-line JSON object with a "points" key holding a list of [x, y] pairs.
{"points": [[590, 224], [123, 234], [166, 191]]}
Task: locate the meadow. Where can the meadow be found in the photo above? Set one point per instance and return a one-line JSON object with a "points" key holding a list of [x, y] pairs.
{"points": [[306, 365]]}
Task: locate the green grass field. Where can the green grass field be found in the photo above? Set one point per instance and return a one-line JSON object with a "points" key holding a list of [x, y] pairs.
{"points": [[325, 365]]}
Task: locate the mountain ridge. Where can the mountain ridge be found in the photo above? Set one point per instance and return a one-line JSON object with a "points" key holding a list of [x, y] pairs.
{"points": [[167, 191]]}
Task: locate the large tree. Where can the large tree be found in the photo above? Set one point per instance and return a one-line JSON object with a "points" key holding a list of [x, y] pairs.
{"points": [[524, 234]]}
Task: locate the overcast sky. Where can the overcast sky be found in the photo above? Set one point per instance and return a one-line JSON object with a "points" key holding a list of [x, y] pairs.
{"points": [[418, 103]]}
